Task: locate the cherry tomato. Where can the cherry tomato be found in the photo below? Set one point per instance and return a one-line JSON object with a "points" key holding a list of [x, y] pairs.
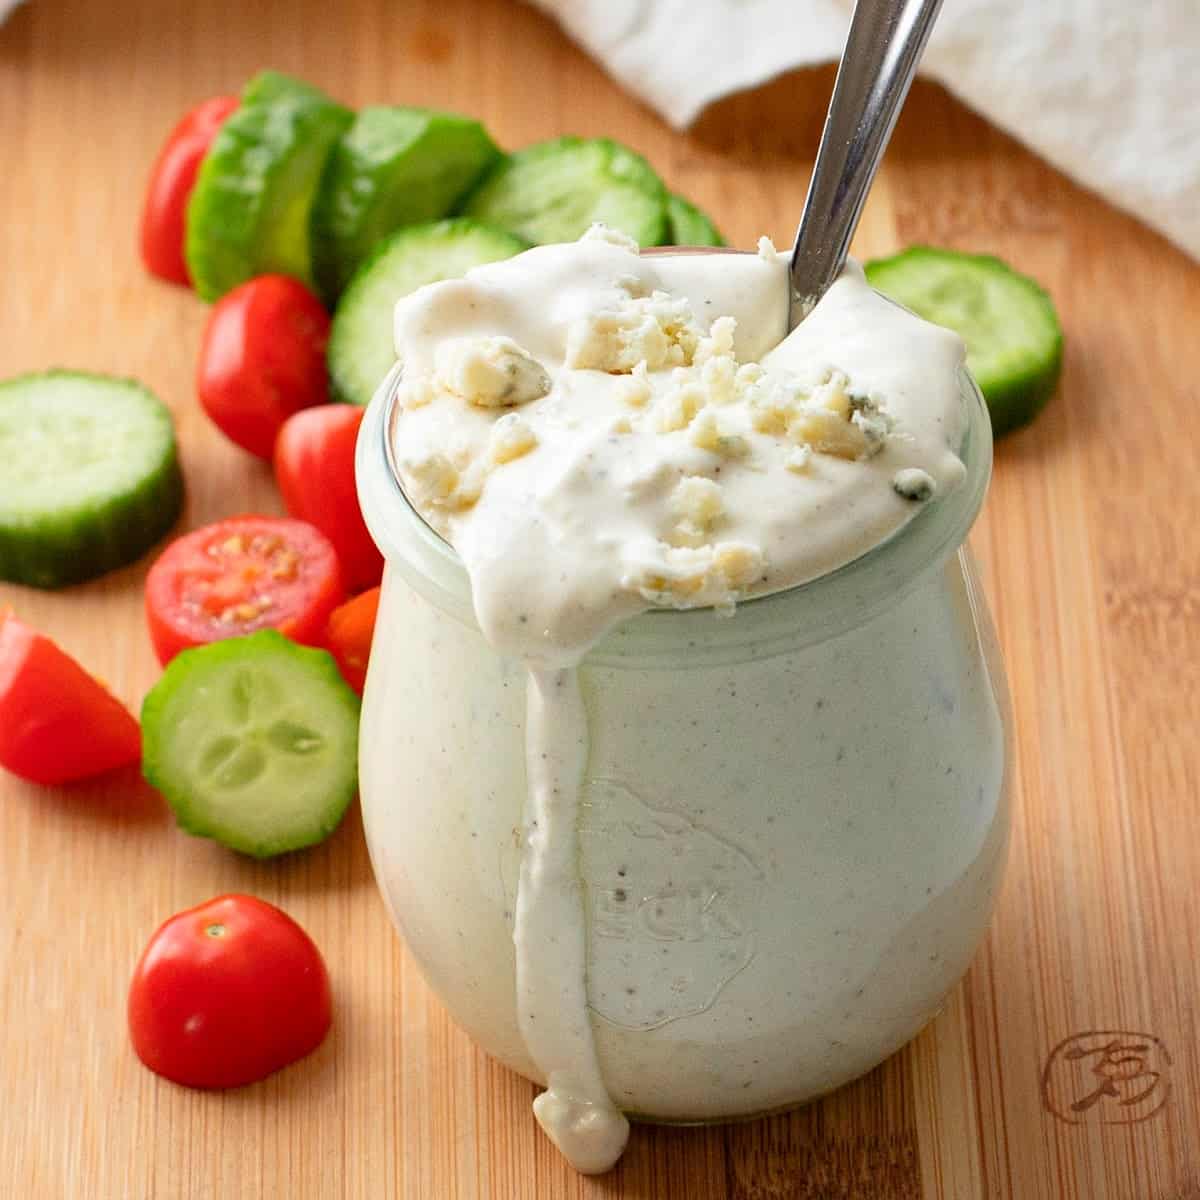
{"points": [[57, 723], [226, 993], [171, 181], [351, 629], [240, 575], [262, 359], [314, 467]]}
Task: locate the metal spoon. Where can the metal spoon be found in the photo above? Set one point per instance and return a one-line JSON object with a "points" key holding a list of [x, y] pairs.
{"points": [[882, 50]]}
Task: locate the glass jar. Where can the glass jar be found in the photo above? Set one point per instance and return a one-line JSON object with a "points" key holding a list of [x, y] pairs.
{"points": [[793, 823]]}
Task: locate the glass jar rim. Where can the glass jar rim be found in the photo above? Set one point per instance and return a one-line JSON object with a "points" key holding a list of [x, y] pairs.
{"points": [[773, 623]]}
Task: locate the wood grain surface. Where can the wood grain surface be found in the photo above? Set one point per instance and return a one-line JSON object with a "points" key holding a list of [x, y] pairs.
{"points": [[1091, 553]]}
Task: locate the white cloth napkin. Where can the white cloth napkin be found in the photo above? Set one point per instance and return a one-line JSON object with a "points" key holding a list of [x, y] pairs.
{"points": [[1106, 90]]}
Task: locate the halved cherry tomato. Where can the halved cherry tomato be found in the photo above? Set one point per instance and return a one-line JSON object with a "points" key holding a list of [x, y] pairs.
{"points": [[171, 181], [226, 993], [351, 628], [314, 467], [262, 359], [240, 575], [57, 723]]}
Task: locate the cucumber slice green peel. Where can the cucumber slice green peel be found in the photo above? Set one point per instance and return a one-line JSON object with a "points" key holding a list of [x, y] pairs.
{"points": [[361, 347], [268, 86], [251, 209], [253, 741], [689, 226], [1008, 322], [392, 167], [89, 476], [554, 191]]}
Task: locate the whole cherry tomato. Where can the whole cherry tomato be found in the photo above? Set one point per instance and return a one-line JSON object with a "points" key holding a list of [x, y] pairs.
{"points": [[171, 182], [226, 993], [314, 467], [239, 575], [57, 723], [262, 359]]}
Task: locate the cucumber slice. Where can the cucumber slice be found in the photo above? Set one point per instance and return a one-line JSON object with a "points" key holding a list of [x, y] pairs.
{"points": [[89, 476], [361, 343], [554, 191], [1014, 340], [688, 226], [252, 205], [268, 86], [253, 741], [392, 167]]}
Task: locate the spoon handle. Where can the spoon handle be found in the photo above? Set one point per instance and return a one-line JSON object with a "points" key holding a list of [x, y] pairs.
{"points": [[883, 48]]}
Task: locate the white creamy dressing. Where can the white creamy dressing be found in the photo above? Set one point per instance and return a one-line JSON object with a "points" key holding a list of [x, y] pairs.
{"points": [[598, 433], [550, 935]]}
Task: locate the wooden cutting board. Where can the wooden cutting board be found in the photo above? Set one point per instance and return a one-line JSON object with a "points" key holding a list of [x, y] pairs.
{"points": [[1066, 1066]]}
